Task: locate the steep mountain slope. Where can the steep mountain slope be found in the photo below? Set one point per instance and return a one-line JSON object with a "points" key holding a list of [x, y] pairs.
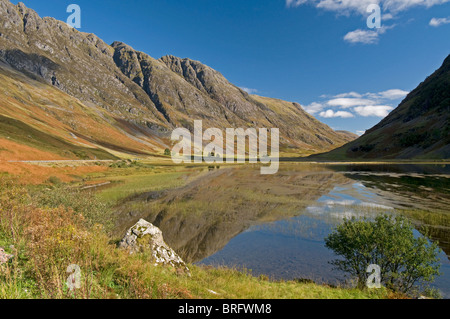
{"points": [[418, 128], [125, 100], [40, 116]]}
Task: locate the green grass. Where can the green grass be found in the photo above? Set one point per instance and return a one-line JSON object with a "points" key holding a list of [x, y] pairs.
{"points": [[223, 283], [131, 182]]}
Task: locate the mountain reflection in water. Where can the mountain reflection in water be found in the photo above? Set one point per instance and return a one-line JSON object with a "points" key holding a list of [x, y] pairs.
{"points": [[276, 224]]}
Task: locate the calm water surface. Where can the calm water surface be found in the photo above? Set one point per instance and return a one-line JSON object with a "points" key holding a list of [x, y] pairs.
{"points": [[276, 225]]}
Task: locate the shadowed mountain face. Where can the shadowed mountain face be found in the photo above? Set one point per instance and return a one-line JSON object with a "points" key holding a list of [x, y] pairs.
{"points": [[418, 128], [139, 98]]}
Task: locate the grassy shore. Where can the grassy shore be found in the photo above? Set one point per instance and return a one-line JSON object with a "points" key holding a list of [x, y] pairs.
{"points": [[49, 227], [46, 240], [52, 224]]}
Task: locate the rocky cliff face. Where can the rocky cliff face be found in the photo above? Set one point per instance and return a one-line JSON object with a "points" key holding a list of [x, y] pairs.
{"points": [[138, 95]]}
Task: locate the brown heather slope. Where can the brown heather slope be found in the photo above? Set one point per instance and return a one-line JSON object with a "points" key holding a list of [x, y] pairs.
{"points": [[72, 85], [419, 128], [46, 119]]}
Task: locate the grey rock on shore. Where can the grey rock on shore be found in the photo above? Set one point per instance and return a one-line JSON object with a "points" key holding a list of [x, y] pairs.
{"points": [[144, 236]]}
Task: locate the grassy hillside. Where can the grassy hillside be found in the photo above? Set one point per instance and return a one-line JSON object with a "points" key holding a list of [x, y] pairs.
{"points": [[24, 134], [42, 117]]}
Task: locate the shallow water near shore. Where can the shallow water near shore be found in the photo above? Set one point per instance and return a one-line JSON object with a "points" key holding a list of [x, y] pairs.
{"points": [[275, 225]]}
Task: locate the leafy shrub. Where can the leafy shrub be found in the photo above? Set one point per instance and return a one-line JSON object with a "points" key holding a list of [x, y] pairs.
{"points": [[54, 180], [363, 148], [389, 242], [126, 164]]}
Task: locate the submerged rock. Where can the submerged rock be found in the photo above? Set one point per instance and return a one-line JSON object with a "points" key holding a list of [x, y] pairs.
{"points": [[144, 236]]}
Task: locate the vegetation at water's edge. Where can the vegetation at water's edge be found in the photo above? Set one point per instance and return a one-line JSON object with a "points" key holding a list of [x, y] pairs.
{"points": [[387, 242], [46, 238]]}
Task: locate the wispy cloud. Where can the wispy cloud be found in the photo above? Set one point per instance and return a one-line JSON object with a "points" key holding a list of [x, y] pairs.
{"points": [[394, 94], [437, 22], [373, 110], [390, 10], [349, 102], [295, 3], [314, 107], [349, 94], [248, 90], [360, 6], [366, 36], [332, 114], [402, 5], [362, 36]]}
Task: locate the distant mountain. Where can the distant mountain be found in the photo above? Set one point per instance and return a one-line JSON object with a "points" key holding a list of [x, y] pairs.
{"points": [[73, 87], [419, 128]]}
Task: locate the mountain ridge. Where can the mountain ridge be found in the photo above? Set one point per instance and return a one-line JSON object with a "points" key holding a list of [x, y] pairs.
{"points": [[139, 97]]}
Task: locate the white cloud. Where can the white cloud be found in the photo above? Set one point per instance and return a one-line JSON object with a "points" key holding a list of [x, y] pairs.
{"points": [[393, 94], [314, 107], [366, 36], [390, 10], [332, 114], [356, 99], [345, 105], [387, 16], [249, 91], [437, 22], [344, 6], [360, 132], [349, 102], [402, 5], [360, 6], [362, 36], [295, 3], [350, 94], [374, 110]]}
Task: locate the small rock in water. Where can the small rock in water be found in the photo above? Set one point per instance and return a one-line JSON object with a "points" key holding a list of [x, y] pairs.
{"points": [[144, 236]]}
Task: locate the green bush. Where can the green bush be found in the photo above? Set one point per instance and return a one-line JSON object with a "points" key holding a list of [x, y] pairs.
{"points": [[54, 180], [406, 261]]}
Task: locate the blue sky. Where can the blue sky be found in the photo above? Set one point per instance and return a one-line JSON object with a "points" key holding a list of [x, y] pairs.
{"points": [[319, 53]]}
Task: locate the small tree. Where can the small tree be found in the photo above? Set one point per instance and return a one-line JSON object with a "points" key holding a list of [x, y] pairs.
{"points": [[389, 242], [167, 152]]}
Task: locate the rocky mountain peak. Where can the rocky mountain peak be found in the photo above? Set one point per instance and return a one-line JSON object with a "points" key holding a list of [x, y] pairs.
{"points": [[140, 92]]}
